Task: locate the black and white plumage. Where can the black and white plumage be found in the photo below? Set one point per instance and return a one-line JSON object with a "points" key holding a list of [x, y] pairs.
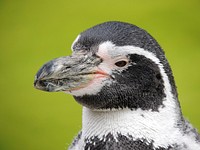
{"points": [[121, 76]]}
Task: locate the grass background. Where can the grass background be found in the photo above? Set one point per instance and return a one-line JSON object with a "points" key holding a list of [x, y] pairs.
{"points": [[33, 32]]}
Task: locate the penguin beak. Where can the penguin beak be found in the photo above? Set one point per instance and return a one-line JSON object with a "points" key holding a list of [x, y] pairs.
{"points": [[68, 73]]}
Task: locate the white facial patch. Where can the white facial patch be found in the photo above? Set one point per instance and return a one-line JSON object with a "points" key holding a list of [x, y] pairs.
{"points": [[75, 41], [109, 58]]}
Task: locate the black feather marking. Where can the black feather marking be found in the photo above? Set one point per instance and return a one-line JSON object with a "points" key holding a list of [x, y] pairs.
{"points": [[122, 142], [139, 86]]}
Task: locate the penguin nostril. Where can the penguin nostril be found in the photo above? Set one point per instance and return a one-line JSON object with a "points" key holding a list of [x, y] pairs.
{"points": [[42, 83]]}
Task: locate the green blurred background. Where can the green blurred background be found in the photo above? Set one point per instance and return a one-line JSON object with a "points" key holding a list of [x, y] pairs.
{"points": [[33, 32]]}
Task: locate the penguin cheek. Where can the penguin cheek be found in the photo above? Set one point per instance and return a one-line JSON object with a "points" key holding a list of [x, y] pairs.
{"points": [[92, 87]]}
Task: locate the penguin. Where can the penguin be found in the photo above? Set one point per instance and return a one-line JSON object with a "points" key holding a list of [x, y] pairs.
{"points": [[120, 75]]}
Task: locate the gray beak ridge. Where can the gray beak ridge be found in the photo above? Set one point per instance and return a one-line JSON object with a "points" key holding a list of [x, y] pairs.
{"points": [[67, 73]]}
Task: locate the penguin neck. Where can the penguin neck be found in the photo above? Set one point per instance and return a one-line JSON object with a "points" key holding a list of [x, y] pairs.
{"points": [[139, 124]]}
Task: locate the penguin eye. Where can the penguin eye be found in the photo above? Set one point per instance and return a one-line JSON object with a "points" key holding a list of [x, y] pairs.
{"points": [[121, 63]]}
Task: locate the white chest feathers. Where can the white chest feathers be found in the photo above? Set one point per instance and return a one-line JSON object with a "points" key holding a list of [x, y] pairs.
{"points": [[159, 128]]}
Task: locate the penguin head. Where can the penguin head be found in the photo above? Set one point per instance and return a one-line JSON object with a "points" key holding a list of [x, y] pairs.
{"points": [[113, 65]]}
